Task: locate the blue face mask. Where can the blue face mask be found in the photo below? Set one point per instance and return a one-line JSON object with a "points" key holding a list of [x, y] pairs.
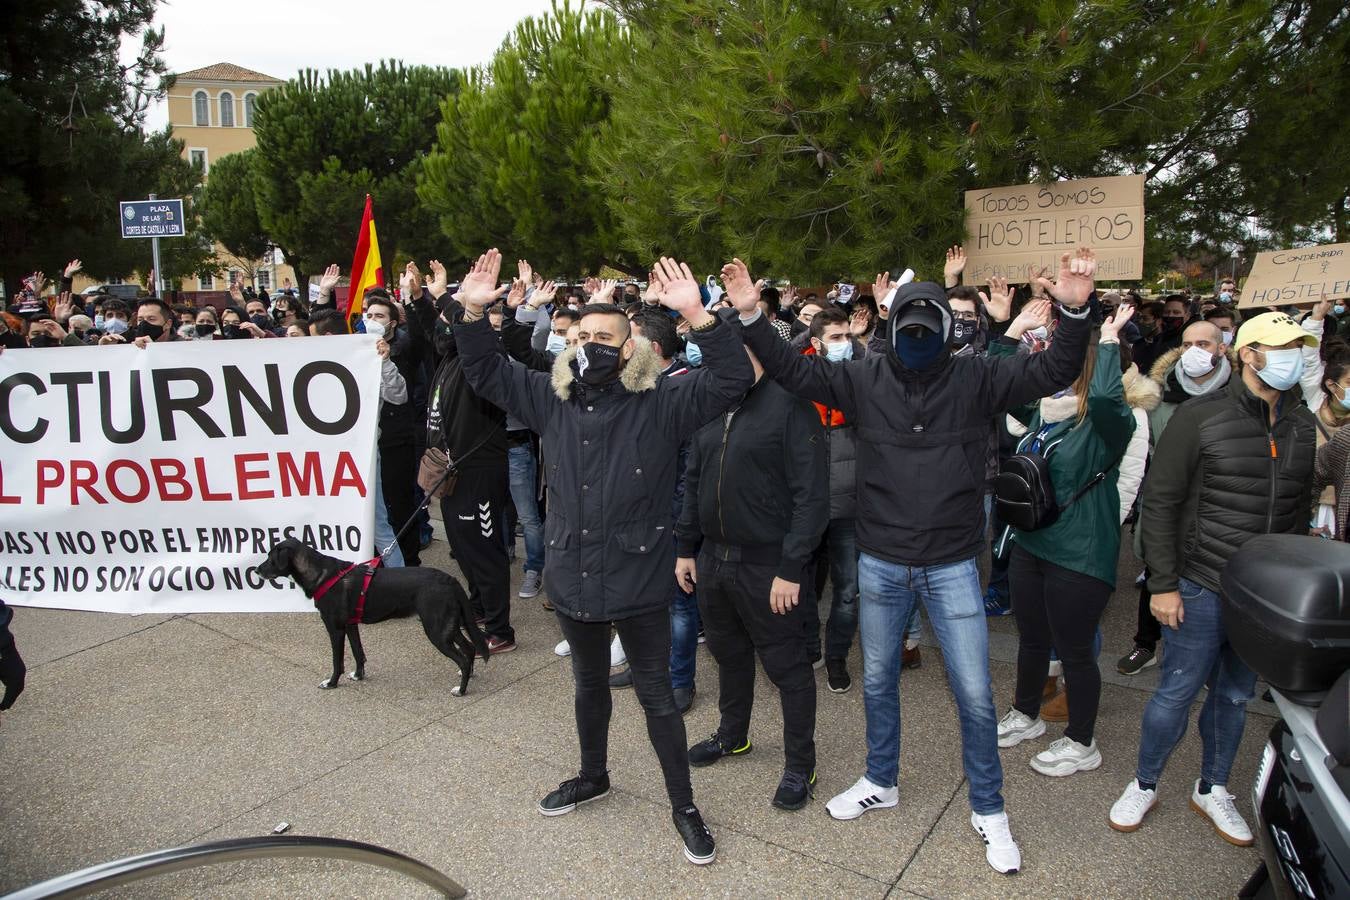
{"points": [[1225, 297], [921, 352], [693, 353], [839, 352], [1338, 309], [1340, 400], [115, 326], [556, 344], [1283, 368]]}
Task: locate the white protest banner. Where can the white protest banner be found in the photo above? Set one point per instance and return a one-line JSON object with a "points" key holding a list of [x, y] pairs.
{"points": [[156, 480], [1014, 232], [1280, 277]]}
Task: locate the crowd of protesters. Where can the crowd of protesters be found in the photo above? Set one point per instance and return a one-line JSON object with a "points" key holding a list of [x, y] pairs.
{"points": [[688, 461]]}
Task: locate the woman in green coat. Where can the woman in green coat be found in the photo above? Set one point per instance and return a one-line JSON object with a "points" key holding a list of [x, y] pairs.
{"points": [[1063, 575]]}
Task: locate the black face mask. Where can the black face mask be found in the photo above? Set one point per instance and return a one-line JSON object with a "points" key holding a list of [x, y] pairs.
{"points": [[229, 331], [964, 332], [205, 330], [261, 321], [1172, 323], [597, 363], [147, 330], [41, 340]]}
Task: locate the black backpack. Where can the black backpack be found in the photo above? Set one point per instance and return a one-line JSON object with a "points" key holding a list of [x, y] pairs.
{"points": [[1025, 496]]}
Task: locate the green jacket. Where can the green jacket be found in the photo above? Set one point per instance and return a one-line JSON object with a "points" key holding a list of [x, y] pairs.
{"points": [[1086, 538]]}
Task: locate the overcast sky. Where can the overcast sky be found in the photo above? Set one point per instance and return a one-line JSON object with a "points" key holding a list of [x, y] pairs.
{"points": [[281, 37]]}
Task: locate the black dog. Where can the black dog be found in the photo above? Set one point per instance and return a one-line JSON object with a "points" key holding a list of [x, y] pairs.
{"points": [[437, 598]]}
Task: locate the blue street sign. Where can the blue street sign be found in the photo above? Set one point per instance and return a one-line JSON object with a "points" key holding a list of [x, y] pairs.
{"points": [[152, 218]]}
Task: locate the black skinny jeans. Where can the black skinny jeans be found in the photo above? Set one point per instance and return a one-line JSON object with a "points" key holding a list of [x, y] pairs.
{"points": [[1149, 630], [646, 640], [733, 599], [1057, 608]]}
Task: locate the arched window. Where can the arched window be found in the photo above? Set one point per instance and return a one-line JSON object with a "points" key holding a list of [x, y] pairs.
{"points": [[201, 108], [248, 109], [226, 109]]}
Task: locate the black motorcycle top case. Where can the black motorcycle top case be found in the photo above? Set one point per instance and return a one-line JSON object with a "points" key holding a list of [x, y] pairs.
{"points": [[1286, 606]]}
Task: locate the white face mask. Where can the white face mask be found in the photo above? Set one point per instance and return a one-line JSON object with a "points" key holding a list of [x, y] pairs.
{"points": [[1197, 361], [374, 328], [1227, 338], [1040, 332]]}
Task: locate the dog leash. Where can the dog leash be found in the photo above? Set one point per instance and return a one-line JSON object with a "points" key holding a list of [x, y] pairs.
{"points": [[450, 466]]}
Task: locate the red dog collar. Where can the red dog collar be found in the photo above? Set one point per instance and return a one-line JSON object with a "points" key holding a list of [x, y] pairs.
{"points": [[370, 566]]}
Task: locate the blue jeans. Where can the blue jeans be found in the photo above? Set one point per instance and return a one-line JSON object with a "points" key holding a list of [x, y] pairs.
{"points": [[521, 466], [684, 622], [1197, 654], [951, 594], [384, 532], [842, 543]]}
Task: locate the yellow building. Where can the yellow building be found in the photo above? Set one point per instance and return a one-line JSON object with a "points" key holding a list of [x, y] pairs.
{"points": [[211, 112]]}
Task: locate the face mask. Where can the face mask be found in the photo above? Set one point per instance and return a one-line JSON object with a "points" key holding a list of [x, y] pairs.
{"points": [[147, 330], [597, 363], [1339, 309], [98, 322], [839, 352], [205, 331], [918, 352], [1227, 338], [693, 353], [1173, 323], [963, 332], [556, 344], [374, 328], [1225, 297], [229, 331], [1197, 361], [261, 321], [115, 326], [1040, 333], [41, 340], [1339, 400], [1283, 368], [1148, 328]]}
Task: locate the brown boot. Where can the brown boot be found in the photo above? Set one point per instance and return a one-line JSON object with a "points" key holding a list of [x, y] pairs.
{"points": [[910, 658], [1051, 688], [1057, 708]]}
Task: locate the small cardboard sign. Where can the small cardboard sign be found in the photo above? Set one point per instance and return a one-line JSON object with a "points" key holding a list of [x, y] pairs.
{"points": [[1014, 232], [1304, 275]]}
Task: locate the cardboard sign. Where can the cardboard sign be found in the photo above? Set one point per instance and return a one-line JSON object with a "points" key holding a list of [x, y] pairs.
{"points": [[1281, 277], [155, 481], [1014, 232]]}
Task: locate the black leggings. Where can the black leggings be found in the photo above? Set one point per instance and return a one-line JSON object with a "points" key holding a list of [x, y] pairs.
{"points": [[646, 641], [1059, 608]]}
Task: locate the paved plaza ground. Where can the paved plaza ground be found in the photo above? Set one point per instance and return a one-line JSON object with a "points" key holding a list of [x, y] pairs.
{"points": [[144, 732]]}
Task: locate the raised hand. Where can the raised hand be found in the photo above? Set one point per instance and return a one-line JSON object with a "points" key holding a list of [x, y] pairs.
{"points": [[1074, 284], [479, 289], [999, 299], [237, 293], [954, 266], [859, 322], [679, 289], [516, 296], [881, 286], [543, 295], [1035, 314], [590, 286], [604, 292], [652, 295], [439, 281], [64, 307], [742, 291], [1321, 308], [524, 271], [1112, 326], [329, 279], [409, 282], [788, 298], [71, 268]]}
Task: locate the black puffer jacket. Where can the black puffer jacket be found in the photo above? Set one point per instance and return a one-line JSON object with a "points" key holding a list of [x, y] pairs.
{"points": [[610, 456], [923, 436], [1215, 482]]}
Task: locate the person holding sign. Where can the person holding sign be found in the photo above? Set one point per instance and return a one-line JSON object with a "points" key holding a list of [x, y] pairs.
{"points": [[1232, 464], [611, 429]]}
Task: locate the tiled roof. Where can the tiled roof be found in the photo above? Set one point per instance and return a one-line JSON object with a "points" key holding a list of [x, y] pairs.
{"points": [[224, 71]]}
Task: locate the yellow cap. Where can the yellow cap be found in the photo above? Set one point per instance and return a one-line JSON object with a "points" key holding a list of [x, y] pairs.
{"points": [[1272, 329]]}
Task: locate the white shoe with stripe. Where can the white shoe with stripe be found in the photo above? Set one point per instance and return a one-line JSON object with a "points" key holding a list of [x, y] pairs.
{"points": [[863, 796]]}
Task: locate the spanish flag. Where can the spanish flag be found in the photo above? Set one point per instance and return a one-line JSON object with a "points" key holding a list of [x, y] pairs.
{"points": [[366, 267]]}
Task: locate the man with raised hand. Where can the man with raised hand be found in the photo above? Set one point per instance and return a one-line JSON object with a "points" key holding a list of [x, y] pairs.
{"points": [[611, 430], [922, 416]]}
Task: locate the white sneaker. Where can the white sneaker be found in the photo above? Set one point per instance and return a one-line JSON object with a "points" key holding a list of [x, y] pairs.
{"points": [[999, 847], [1056, 669], [1017, 726], [616, 655], [563, 649], [1218, 807], [864, 795], [1066, 756], [1128, 812]]}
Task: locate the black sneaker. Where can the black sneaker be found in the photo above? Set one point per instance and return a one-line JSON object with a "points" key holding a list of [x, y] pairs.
{"points": [[684, 699], [621, 679], [794, 790], [836, 671], [714, 748], [1136, 661], [573, 793], [699, 846]]}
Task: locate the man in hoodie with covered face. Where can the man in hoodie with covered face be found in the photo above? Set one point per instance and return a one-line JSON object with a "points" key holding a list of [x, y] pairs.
{"points": [[922, 415], [611, 429]]}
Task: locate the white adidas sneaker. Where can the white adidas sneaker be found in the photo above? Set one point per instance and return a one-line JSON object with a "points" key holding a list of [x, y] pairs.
{"points": [[863, 796], [1000, 850]]}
